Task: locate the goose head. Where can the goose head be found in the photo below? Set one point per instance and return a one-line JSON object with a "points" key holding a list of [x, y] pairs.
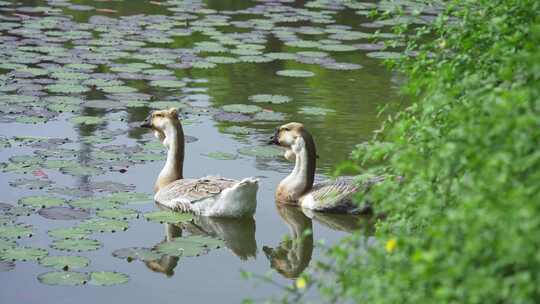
{"points": [[290, 136], [160, 121]]}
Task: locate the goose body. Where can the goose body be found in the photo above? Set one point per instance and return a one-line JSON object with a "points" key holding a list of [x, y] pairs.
{"points": [[298, 187], [208, 196]]}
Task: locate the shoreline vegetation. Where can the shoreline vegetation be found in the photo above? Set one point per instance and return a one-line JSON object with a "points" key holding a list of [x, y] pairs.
{"points": [[462, 226]]}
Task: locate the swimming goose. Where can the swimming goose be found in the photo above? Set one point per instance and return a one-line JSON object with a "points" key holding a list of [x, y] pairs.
{"points": [[298, 188], [208, 196]]}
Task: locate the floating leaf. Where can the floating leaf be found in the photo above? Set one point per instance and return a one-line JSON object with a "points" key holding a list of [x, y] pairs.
{"points": [[6, 244], [67, 88], [41, 201], [168, 217], [104, 225], [221, 155], [189, 246], [261, 151], [94, 203], [63, 278], [76, 245], [269, 98], [64, 213], [108, 278], [130, 197], [167, 83], [295, 73], [65, 262], [137, 253], [123, 214], [23, 254], [385, 55], [15, 231], [238, 130], [242, 108], [69, 233], [269, 116]]}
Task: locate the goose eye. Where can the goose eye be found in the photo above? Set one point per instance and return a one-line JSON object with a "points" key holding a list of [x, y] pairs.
{"points": [[286, 129]]}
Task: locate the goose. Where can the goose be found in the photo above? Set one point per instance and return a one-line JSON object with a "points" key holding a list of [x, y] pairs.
{"points": [[212, 196], [298, 187]]}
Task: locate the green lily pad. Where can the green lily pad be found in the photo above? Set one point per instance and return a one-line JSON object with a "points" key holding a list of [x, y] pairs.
{"points": [[221, 155], [295, 73], [261, 151], [7, 244], [118, 214], [137, 253], [63, 278], [337, 47], [315, 111], [189, 246], [167, 83], [67, 88], [23, 254], [31, 119], [242, 108], [94, 203], [65, 262], [15, 231], [69, 233], [87, 120], [108, 278], [385, 55], [168, 217], [269, 98], [269, 116], [115, 89], [104, 225], [130, 197], [76, 245], [41, 201]]}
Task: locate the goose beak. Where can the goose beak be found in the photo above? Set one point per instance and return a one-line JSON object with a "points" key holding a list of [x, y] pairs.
{"points": [[147, 123], [274, 139]]}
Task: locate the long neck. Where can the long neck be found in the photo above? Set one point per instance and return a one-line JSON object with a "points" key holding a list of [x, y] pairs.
{"points": [[301, 178], [174, 141]]}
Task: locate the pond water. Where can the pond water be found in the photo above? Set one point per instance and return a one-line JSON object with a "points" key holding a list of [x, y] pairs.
{"points": [[77, 78]]}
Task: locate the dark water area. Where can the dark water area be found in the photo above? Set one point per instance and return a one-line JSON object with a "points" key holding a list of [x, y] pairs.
{"points": [[77, 78]]}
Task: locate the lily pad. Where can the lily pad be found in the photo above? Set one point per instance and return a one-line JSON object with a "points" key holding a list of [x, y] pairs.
{"points": [[108, 278], [76, 245], [221, 155], [261, 151], [269, 116], [67, 88], [242, 108], [104, 225], [189, 246], [41, 201], [94, 203], [269, 98], [167, 83], [385, 55], [118, 214], [168, 217], [232, 117], [63, 278], [130, 197], [64, 213], [7, 244], [15, 231], [137, 253], [69, 233], [295, 73], [23, 254], [238, 130], [65, 262]]}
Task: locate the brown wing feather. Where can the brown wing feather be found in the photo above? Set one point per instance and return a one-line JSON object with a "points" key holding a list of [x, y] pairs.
{"points": [[194, 189], [336, 195]]}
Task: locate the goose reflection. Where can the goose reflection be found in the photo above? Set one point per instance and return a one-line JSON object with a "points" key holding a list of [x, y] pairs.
{"points": [[292, 256], [237, 234]]}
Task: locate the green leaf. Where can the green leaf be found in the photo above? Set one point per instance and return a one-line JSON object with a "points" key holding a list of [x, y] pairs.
{"points": [[168, 217]]}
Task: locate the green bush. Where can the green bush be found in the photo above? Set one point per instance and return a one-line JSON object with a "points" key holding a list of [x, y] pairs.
{"points": [[463, 225]]}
